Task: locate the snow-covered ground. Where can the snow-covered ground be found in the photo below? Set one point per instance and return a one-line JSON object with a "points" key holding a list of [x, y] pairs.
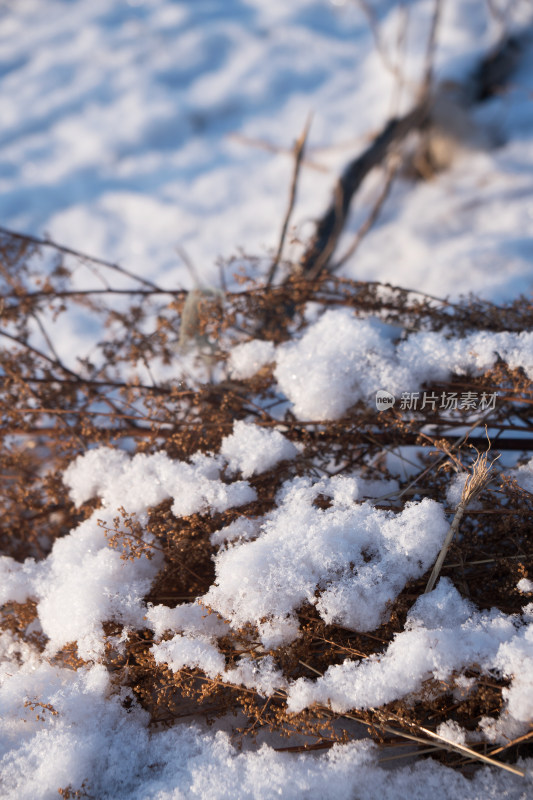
{"points": [[130, 129]]}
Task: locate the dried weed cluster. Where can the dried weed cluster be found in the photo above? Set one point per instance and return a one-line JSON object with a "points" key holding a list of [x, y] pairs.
{"points": [[52, 412]]}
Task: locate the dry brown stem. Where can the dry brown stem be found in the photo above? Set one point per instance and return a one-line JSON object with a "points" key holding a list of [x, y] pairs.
{"points": [[299, 149]]}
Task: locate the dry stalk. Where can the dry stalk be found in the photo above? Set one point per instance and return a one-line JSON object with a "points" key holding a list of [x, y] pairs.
{"points": [[429, 737], [299, 148], [61, 248], [373, 24], [431, 47], [474, 485], [461, 748], [329, 227]]}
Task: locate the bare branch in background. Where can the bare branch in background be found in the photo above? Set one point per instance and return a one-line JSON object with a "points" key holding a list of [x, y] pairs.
{"points": [[391, 171], [24, 237], [328, 230], [299, 148], [373, 24], [431, 47], [263, 144]]}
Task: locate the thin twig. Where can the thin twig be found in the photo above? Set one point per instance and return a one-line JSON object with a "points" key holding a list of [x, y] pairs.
{"points": [[40, 354], [272, 148], [518, 740], [299, 148], [25, 237], [431, 47], [46, 337], [410, 753], [82, 292], [524, 556]]}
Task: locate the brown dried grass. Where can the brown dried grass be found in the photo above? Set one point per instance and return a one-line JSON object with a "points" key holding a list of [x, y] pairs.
{"points": [[51, 413]]}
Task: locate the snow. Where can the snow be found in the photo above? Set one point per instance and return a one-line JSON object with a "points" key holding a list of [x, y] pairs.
{"points": [[247, 358], [320, 372], [242, 528], [119, 758], [145, 480], [358, 557], [524, 476], [185, 651], [341, 359], [188, 617], [250, 449], [455, 488], [130, 128], [443, 634], [121, 126]]}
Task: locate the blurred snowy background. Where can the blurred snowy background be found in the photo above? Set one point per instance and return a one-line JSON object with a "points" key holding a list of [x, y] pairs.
{"points": [[129, 128]]}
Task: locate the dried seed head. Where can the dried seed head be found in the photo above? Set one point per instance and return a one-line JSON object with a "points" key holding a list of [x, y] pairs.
{"points": [[478, 478]]}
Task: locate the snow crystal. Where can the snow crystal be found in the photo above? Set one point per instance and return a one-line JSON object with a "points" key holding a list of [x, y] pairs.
{"points": [[197, 648], [452, 731], [524, 476], [262, 675], [335, 363], [185, 618], [16, 578], [146, 480], [514, 660], [443, 633], [84, 582], [247, 358], [341, 359], [358, 557], [454, 490], [525, 586], [251, 449], [198, 651], [190, 651], [242, 528]]}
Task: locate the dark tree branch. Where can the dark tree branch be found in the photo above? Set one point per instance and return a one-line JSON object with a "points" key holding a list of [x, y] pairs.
{"points": [[330, 226]]}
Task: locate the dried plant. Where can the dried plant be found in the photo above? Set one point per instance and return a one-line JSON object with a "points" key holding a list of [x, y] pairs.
{"points": [[127, 393], [475, 482]]}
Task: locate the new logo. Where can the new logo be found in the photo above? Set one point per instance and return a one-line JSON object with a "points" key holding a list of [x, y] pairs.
{"points": [[384, 400]]}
